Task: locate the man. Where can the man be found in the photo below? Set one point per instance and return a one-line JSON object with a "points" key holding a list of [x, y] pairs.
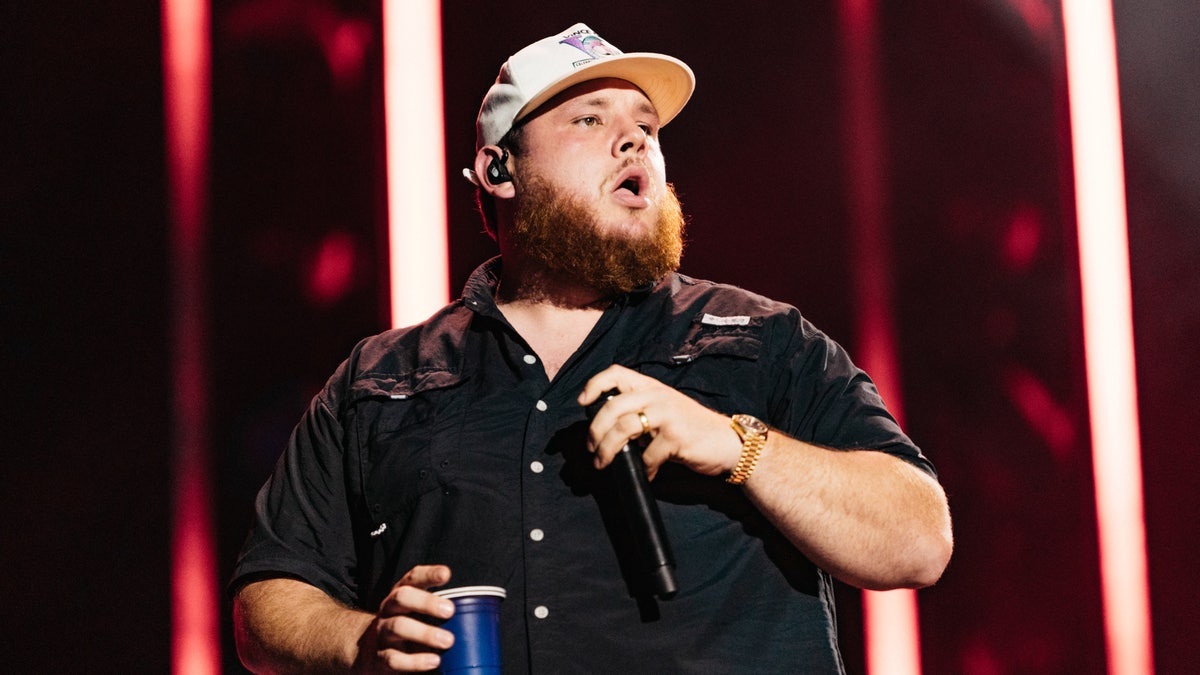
{"points": [[461, 448]]}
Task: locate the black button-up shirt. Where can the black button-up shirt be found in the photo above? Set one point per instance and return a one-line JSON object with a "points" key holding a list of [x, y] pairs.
{"points": [[446, 443]]}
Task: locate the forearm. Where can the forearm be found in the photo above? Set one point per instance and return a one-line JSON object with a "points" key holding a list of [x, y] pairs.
{"points": [[288, 626], [868, 518]]}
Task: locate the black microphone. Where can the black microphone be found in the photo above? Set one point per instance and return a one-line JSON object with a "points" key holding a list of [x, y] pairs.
{"points": [[641, 512]]}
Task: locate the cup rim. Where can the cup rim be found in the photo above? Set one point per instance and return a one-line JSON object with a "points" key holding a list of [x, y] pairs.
{"points": [[466, 591]]}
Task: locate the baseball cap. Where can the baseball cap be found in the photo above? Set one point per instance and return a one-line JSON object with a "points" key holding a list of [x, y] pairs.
{"points": [[535, 74]]}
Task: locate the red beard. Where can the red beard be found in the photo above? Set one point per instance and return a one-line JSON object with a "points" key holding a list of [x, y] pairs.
{"points": [[561, 233]]}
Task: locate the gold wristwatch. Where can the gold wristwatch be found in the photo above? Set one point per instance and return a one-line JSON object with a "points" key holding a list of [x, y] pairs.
{"points": [[754, 437]]}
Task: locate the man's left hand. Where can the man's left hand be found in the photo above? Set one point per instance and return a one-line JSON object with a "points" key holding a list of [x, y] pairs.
{"points": [[680, 429]]}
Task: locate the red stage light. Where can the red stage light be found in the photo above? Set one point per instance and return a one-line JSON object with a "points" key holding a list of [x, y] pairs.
{"points": [[1108, 331], [412, 76], [194, 594]]}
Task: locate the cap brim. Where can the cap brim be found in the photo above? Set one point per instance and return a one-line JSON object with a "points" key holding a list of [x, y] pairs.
{"points": [[666, 81]]}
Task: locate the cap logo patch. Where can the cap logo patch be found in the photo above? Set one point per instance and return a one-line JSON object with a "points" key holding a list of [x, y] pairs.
{"points": [[592, 45]]}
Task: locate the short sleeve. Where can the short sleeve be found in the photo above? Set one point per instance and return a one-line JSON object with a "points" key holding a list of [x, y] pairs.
{"points": [[302, 521], [825, 399]]}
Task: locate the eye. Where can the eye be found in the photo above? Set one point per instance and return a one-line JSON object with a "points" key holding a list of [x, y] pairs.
{"points": [[588, 121], [647, 129]]}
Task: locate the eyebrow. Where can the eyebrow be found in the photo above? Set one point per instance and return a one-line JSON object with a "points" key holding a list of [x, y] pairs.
{"points": [[600, 101]]}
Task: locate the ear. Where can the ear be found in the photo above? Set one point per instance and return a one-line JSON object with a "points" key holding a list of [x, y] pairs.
{"points": [[483, 160]]}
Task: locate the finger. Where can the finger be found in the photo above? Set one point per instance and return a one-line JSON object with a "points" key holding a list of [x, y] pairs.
{"points": [[406, 632], [613, 377], [655, 455], [413, 600], [624, 429], [425, 576], [628, 402], [403, 662], [416, 580], [610, 414], [598, 384]]}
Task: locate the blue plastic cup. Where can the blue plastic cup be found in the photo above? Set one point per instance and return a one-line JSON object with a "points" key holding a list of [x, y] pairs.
{"points": [[476, 628]]}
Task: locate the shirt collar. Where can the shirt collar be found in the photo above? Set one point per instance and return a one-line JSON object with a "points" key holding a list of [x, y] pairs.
{"points": [[479, 293]]}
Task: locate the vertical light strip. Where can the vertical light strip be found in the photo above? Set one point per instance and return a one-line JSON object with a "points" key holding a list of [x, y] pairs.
{"points": [[195, 644], [1108, 331], [890, 618], [416, 166]]}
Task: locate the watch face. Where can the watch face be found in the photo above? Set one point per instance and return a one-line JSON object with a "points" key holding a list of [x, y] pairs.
{"points": [[750, 424]]}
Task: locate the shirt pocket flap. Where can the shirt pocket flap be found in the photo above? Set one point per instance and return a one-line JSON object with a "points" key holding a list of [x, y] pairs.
{"points": [[403, 386], [706, 362]]}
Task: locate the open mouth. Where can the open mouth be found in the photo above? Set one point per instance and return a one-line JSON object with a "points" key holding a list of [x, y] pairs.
{"points": [[633, 181]]}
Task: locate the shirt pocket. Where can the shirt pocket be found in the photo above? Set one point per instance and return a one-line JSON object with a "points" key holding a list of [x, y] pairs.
{"points": [[706, 362], [399, 424]]}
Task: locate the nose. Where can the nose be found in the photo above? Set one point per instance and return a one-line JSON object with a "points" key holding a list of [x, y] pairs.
{"points": [[630, 140]]}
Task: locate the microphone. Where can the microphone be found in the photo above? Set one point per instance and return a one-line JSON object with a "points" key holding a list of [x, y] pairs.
{"points": [[628, 472]]}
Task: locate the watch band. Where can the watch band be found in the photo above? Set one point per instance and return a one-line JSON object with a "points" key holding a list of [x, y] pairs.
{"points": [[754, 438]]}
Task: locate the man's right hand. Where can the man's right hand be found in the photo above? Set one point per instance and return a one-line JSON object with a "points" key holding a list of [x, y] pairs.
{"points": [[394, 641], [284, 625]]}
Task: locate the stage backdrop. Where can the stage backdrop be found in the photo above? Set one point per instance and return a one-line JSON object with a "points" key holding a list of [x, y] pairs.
{"points": [[979, 208]]}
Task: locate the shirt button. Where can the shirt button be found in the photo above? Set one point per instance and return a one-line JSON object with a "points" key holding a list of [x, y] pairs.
{"points": [[541, 405], [536, 534], [536, 466], [541, 611], [530, 359]]}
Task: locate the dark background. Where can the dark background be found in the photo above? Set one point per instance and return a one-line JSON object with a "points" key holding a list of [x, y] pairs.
{"points": [[981, 215]]}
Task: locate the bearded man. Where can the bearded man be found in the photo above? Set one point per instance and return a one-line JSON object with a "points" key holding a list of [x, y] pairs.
{"points": [[463, 447]]}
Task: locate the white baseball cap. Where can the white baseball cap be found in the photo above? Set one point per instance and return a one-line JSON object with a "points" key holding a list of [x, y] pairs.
{"points": [[535, 74]]}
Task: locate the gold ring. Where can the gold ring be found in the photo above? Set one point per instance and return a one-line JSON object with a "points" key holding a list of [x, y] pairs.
{"points": [[645, 423]]}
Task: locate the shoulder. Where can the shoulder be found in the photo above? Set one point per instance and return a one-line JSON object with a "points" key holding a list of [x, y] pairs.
{"points": [[401, 349], [782, 329], [396, 362], [716, 303]]}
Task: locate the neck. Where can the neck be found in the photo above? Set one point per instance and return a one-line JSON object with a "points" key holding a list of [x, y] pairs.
{"points": [[524, 282], [551, 313]]}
